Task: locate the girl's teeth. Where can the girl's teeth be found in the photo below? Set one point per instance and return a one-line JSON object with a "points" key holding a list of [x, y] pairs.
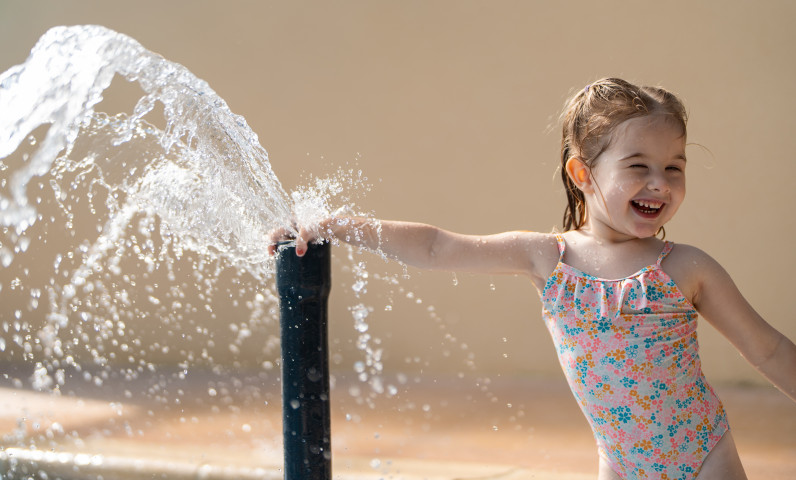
{"points": [[648, 207]]}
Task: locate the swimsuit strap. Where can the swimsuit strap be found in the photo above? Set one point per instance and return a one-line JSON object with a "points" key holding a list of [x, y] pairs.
{"points": [[667, 247], [561, 246]]}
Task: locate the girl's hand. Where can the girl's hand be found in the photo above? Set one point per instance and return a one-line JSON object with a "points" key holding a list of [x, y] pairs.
{"points": [[324, 230], [279, 235], [276, 236]]}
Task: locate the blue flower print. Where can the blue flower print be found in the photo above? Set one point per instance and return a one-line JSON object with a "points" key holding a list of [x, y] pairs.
{"points": [[628, 382], [654, 293], [623, 414], [603, 325]]}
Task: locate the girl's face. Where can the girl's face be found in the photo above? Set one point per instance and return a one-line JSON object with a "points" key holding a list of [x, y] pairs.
{"points": [[638, 183]]}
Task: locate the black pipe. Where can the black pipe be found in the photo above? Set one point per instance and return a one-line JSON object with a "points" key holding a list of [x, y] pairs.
{"points": [[303, 284]]}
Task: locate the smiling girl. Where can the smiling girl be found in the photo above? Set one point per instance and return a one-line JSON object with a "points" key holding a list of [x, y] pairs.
{"points": [[620, 303]]}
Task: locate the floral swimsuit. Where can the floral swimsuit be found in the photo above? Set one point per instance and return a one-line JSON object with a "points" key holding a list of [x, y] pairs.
{"points": [[628, 348]]}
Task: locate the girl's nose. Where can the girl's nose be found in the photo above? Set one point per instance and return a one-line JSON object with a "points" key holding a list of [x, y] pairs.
{"points": [[658, 183]]}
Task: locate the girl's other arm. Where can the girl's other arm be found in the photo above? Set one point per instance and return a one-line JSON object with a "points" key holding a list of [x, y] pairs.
{"points": [[721, 303]]}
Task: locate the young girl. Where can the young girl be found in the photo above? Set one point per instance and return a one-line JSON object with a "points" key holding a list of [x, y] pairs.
{"points": [[620, 304]]}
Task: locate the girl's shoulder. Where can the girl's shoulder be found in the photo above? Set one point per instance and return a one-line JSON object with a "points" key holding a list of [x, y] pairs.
{"points": [[687, 257], [542, 251], [545, 243], [689, 267], [544, 246]]}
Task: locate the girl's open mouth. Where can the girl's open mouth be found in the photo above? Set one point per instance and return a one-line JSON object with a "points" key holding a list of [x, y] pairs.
{"points": [[647, 208]]}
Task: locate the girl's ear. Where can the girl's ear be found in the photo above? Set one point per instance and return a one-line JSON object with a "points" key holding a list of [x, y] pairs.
{"points": [[579, 173]]}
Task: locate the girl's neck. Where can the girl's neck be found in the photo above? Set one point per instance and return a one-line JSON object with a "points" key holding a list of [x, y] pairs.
{"points": [[603, 234], [609, 257]]}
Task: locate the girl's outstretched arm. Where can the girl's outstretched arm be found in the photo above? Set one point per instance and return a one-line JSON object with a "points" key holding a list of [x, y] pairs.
{"points": [[430, 247], [720, 302]]}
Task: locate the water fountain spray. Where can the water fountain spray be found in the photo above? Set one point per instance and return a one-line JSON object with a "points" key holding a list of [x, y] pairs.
{"points": [[139, 223]]}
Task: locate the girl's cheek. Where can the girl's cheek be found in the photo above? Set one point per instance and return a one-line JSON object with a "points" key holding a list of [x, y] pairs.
{"points": [[622, 184]]}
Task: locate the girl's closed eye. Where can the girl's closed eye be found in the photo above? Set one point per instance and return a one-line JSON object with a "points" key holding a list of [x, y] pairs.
{"points": [[677, 165], [637, 167]]}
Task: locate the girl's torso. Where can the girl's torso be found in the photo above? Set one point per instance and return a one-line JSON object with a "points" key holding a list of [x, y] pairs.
{"points": [[627, 344]]}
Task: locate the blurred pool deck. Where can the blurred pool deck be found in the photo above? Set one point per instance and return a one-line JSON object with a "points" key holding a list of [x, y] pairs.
{"points": [[519, 429]]}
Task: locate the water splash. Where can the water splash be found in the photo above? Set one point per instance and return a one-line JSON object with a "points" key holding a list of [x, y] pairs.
{"points": [[132, 242], [206, 166], [120, 232]]}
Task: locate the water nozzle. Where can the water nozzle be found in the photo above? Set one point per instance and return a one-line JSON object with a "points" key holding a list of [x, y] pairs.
{"points": [[303, 284]]}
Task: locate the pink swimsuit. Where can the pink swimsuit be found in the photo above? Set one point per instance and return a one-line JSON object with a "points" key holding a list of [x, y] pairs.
{"points": [[628, 348]]}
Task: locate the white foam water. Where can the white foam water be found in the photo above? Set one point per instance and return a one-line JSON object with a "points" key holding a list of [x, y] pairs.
{"points": [[205, 173], [123, 231], [132, 244]]}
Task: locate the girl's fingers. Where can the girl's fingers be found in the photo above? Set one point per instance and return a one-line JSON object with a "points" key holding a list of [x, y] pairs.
{"points": [[323, 229], [274, 237], [302, 240]]}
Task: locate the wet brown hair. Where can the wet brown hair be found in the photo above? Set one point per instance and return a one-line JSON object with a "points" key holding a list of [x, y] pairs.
{"points": [[591, 116]]}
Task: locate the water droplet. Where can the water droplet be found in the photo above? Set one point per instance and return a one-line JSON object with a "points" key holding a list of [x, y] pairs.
{"points": [[314, 374], [359, 286], [23, 243], [6, 257]]}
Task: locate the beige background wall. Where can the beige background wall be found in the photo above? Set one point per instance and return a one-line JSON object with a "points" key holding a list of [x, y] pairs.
{"points": [[451, 108]]}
